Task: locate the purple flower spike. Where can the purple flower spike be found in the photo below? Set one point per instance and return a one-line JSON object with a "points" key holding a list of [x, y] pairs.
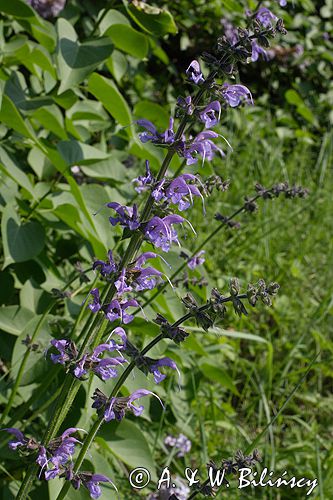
{"points": [[265, 16], [158, 376], [144, 181], [196, 260], [208, 115], [194, 73], [95, 306], [127, 216], [106, 268], [160, 231]]}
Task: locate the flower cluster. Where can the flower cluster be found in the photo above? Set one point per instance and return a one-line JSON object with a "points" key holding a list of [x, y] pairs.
{"points": [[56, 459], [104, 368], [181, 443], [115, 408], [47, 8]]}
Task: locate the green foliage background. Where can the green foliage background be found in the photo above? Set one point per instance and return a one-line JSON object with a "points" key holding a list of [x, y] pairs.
{"points": [[70, 91]]}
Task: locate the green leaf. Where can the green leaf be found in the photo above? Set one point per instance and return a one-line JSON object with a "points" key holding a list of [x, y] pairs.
{"points": [[216, 374], [17, 8], [13, 319], [51, 119], [108, 94], [152, 19], [8, 166], [13, 119], [127, 442], [128, 40], [21, 241], [75, 60], [153, 112], [78, 153], [293, 97]]}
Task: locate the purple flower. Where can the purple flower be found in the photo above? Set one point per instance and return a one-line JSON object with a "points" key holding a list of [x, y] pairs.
{"points": [[283, 3], [127, 216], [93, 486], [196, 260], [95, 306], [233, 94], [186, 104], [121, 333], [106, 268], [156, 364], [117, 310], [66, 349], [194, 73], [179, 191], [121, 285], [230, 32], [144, 181], [151, 134], [208, 115], [47, 8], [115, 408], [105, 370], [202, 145], [42, 457], [80, 367], [265, 16], [256, 51], [160, 231], [21, 440], [181, 442]]}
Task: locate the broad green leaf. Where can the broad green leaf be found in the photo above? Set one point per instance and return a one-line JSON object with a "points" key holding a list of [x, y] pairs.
{"points": [[8, 166], [76, 60], [155, 20], [108, 94], [21, 241], [112, 17], [128, 40], [77, 153], [13, 119], [153, 112], [13, 319], [293, 97], [51, 119], [17, 8], [117, 64], [127, 442]]}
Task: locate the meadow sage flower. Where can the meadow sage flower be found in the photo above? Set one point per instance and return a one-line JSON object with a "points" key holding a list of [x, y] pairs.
{"points": [[265, 16], [211, 114], [196, 260], [194, 73], [181, 442], [234, 94], [160, 231], [144, 181], [151, 134], [106, 268], [202, 145], [117, 310], [127, 216]]}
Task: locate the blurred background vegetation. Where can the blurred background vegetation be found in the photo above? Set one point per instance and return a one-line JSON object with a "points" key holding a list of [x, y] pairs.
{"points": [[70, 89]]}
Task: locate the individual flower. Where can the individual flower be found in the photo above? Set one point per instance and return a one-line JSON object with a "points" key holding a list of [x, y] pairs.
{"points": [[21, 440], [116, 407], [230, 32], [106, 268], [127, 216], [95, 305], [283, 3], [234, 94], [181, 442], [257, 50], [196, 260], [211, 114], [202, 145], [185, 103], [194, 73], [47, 8], [160, 231], [117, 310], [144, 181], [151, 134], [155, 365], [265, 16], [67, 351], [181, 192], [88, 480]]}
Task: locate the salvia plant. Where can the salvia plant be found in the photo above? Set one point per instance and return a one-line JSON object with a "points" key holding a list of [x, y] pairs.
{"points": [[131, 276]]}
